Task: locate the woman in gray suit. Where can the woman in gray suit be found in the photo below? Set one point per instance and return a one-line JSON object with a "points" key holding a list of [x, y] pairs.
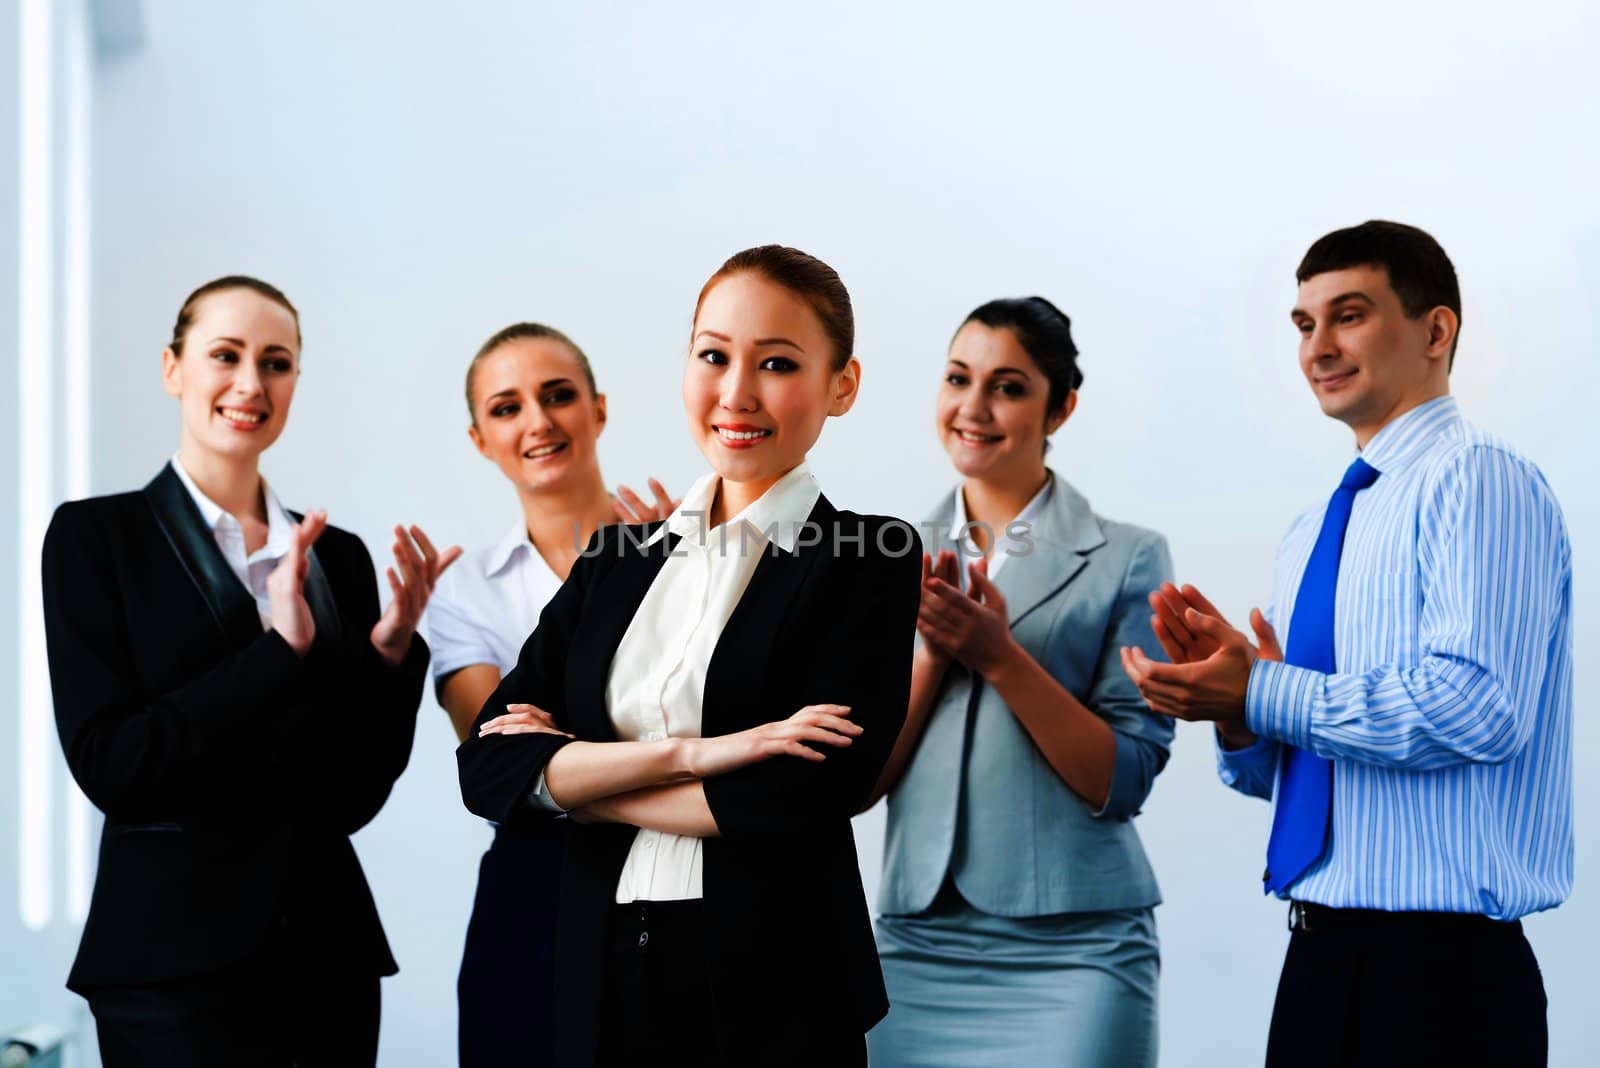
{"points": [[1016, 920]]}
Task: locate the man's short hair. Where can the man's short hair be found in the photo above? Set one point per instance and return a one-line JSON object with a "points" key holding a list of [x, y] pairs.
{"points": [[1420, 273]]}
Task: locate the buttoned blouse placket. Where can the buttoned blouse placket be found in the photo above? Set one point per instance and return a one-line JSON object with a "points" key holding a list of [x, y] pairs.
{"points": [[655, 717]]}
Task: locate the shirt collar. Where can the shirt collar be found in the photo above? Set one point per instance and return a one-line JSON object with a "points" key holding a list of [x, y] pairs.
{"points": [[278, 521], [1404, 438], [1030, 511], [777, 513], [505, 550]]}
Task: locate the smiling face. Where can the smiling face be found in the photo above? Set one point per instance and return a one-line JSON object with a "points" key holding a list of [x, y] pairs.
{"points": [[760, 380], [992, 409], [1366, 361], [535, 416], [236, 376]]}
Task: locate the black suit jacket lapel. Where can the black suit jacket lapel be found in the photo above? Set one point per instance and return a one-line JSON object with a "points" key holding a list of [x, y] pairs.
{"points": [[196, 548], [611, 608], [739, 663]]}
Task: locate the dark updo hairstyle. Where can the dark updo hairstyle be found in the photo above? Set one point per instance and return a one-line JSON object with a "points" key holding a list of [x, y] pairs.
{"points": [[1045, 333], [191, 305], [807, 278], [520, 332]]}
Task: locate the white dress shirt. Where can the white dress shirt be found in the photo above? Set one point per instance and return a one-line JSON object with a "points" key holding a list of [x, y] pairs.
{"points": [[658, 674], [1005, 543], [487, 603], [252, 569]]}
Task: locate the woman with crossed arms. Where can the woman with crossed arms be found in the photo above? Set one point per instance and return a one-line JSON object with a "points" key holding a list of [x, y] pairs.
{"points": [[712, 699], [1016, 922]]}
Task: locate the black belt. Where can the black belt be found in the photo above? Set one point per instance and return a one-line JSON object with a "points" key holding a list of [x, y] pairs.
{"points": [[1309, 917]]}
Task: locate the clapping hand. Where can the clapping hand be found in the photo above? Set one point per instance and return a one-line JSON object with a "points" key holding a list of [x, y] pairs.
{"points": [[972, 627], [944, 567], [1211, 661], [630, 508], [420, 566], [286, 599]]}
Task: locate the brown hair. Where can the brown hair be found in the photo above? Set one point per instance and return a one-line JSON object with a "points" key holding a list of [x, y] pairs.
{"points": [[807, 278], [190, 308], [518, 332]]}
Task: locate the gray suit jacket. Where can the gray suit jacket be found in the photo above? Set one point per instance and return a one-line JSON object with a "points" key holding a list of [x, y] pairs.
{"points": [[978, 800]]}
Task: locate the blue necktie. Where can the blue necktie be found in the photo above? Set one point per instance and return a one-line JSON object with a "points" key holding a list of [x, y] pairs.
{"points": [[1305, 787]]}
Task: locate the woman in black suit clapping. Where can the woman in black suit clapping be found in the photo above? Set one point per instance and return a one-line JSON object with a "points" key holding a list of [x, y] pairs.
{"points": [[230, 695]]}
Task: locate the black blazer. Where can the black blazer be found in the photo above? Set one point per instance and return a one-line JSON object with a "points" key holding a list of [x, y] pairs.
{"points": [[791, 942], [231, 771]]}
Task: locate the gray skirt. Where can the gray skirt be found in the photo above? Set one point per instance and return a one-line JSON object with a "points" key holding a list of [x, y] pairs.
{"points": [[969, 990]]}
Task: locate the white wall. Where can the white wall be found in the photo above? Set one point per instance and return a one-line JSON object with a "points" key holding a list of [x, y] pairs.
{"points": [[416, 176]]}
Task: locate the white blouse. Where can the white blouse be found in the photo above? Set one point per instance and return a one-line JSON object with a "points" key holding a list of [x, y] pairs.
{"points": [[252, 569], [487, 603], [658, 674]]}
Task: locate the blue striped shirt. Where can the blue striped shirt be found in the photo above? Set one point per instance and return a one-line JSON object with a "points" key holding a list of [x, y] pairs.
{"points": [[1449, 721]]}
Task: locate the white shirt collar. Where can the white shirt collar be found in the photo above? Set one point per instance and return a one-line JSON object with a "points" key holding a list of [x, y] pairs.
{"points": [[505, 550], [777, 513], [1030, 511], [278, 521]]}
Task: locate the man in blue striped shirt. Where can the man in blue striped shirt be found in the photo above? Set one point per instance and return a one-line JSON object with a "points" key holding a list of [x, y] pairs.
{"points": [[1415, 730]]}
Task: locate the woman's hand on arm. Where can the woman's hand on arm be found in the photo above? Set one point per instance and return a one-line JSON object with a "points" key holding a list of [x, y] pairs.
{"points": [[463, 694], [823, 724], [420, 566], [584, 772]]}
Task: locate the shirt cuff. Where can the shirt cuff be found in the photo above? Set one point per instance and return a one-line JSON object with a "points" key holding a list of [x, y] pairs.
{"points": [[1277, 702], [447, 661], [1249, 768], [540, 797]]}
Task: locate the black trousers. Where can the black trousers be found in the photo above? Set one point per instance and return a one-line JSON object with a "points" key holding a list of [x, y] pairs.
{"points": [[1394, 988], [506, 986], [660, 1003], [278, 1009]]}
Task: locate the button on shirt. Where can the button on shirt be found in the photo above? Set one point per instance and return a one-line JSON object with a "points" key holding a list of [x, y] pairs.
{"points": [[1449, 718], [487, 603], [252, 569], [658, 675]]}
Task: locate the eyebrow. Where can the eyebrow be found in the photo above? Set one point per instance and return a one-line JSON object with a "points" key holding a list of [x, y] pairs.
{"points": [[549, 383], [759, 341], [1354, 294], [998, 370], [240, 343]]}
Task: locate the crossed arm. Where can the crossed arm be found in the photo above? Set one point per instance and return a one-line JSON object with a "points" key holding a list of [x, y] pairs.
{"points": [[810, 767], [658, 785]]}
